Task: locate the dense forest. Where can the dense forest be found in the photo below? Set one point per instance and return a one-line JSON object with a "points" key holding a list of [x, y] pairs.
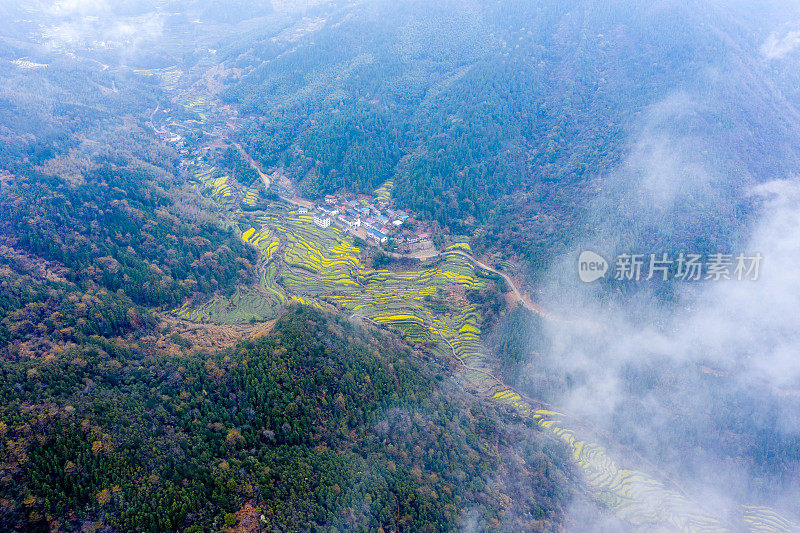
{"points": [[39, 308], [97, 229], [115, 229], [318, 425]]}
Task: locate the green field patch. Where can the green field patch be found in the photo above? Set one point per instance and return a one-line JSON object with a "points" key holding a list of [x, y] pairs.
{"points": [[244, 305]]}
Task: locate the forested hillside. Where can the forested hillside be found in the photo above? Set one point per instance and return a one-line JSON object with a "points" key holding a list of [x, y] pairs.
{"points": [[116, 414], [318, 425], [97, 230], [515, 116], [116, 229]]}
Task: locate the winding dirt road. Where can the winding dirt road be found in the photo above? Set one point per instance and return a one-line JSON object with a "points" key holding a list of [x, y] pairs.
{"points": [[518, 295]]}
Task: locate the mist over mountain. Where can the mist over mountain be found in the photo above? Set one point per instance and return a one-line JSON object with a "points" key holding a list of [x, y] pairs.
{"points": [[516, 114]]}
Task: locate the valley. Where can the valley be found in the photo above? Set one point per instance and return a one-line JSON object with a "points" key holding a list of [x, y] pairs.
{"points": [[316, 266]]}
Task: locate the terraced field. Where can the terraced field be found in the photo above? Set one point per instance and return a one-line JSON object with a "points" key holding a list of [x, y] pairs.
{"points": [[463, 246], [303, 262], [244, 305], [211, 181], [28, 64], [199, 105], [168, 77], [250, 197], [384, 192]]}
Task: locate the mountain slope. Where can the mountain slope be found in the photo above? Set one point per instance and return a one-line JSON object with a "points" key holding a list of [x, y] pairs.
{"points": [[514, 114], [308, 427]]}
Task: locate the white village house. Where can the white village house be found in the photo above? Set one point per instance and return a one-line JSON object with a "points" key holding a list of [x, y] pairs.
{"points": [[322, 221]]}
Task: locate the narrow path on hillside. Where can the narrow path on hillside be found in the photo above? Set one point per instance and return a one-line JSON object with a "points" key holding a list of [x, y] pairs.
{"points": [[264, 178], [518, 295]]}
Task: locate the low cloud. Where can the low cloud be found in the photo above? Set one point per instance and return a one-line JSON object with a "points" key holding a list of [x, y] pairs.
{"points": [[69, 8], [97, 24], [666, 164], [639, 367], [755, 326], [748, 327], [781, 44]]}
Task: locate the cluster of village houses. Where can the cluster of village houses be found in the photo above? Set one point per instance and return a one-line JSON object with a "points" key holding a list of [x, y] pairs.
{"points": [[370, 220], [375, 221]]}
